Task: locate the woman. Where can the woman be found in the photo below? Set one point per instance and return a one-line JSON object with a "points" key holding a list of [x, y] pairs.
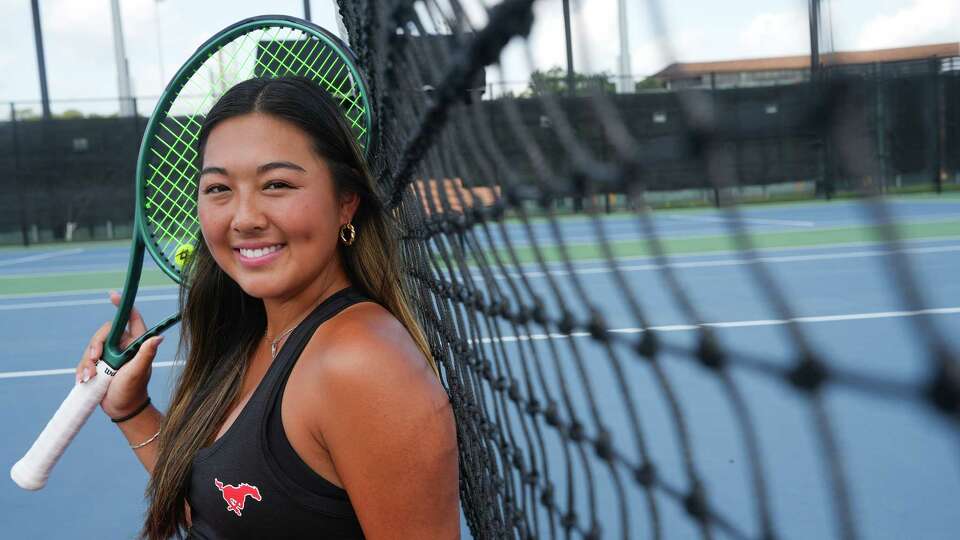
{"points": [[309, 405]]}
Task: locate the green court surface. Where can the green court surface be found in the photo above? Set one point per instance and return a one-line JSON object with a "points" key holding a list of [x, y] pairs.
{"points": [[74, 281], [708, 244], [40, 283]]}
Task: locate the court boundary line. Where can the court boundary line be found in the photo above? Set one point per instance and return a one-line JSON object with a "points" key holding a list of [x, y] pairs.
{"points": [[79, 292], [85, 302], [733, 262], [743, 219], [62, 371], [756, 323], [583, 262], [667, 238], [735, 324], [41, 256]]}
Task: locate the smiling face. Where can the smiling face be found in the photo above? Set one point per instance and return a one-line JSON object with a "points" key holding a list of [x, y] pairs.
{"points": [[268, 208]]}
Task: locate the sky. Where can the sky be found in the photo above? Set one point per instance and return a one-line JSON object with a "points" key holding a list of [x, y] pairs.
{"points": [[159, 36]]}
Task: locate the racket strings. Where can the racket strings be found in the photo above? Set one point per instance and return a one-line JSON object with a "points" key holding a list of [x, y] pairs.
{"points": [[171, 163]]}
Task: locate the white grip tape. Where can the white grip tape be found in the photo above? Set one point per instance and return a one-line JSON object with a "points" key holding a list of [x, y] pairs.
{"points": [[33, 469]]}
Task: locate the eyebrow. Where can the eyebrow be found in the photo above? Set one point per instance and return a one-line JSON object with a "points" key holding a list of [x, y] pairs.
{"points": [[213, 170], [266, 167], [279, 165]]}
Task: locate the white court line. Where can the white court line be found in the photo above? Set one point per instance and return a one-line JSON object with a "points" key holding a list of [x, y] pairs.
{"points": [[63, 371], [80, 292], [733, 262], [663, 328], [736, 324], [631, 267], [77, 271], [741, 219], [41, 256], [85, 302]]}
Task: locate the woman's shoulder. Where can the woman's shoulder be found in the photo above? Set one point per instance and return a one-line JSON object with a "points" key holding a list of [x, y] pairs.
{"points": [[366, 328], [364, 362], [364, 340]]}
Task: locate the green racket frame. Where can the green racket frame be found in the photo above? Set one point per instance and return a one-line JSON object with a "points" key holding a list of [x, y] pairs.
{"points": [[177, 208], [113, 355]]}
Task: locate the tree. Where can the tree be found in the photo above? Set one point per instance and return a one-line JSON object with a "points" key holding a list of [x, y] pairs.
{"points": [[554, 81], [69, 114], [650, 83], [26, 114]]}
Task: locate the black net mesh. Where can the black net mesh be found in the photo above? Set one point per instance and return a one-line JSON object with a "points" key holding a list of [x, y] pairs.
{"points": [[603, 384]]}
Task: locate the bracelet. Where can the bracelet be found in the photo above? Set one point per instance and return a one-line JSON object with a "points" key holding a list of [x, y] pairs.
{"points": [[146, 442], [138, 410]]}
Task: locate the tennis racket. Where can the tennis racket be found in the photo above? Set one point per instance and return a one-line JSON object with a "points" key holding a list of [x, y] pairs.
{"points": [[166, 223]]}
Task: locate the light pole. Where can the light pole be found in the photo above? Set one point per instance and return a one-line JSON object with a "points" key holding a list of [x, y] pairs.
{"points": [[41, 63], [123, 73], [156, 20], [814, 39], [623, 85], [571, 80]]}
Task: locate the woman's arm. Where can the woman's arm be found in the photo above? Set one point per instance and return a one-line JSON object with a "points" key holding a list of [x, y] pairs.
{"points": [[128, 390], [140, 429], [389, 428]]}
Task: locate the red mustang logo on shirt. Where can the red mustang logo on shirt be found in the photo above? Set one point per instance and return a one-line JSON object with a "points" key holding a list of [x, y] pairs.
{"points": [[237, 495]]}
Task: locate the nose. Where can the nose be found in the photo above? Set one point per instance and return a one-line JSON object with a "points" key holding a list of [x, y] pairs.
{"points": [[247, 215]]}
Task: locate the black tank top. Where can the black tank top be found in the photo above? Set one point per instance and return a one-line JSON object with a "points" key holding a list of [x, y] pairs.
{"points": [[250, 483]]}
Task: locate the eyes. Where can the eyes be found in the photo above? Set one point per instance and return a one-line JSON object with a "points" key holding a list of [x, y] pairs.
{"points": [[214, 188], [272, 185], [276, 184]]}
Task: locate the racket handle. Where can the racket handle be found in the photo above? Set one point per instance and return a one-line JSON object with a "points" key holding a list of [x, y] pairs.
{"points": [[33, 469]]}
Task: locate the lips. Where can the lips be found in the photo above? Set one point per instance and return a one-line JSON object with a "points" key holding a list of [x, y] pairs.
{"points": [[253, 256], [259, 252]]}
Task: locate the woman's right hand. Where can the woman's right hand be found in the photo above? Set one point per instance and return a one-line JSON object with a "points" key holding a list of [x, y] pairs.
{"points": [[128, 390]]}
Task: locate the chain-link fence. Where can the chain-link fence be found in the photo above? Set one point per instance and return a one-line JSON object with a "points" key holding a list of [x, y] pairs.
{"points": [[69, 177]]}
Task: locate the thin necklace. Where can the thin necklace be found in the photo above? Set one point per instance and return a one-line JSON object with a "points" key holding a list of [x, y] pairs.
{"points": [[276, 340], [273, 344]]}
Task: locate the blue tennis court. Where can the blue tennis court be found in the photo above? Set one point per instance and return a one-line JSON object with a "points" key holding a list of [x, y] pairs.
{"points": [[899, 459]]}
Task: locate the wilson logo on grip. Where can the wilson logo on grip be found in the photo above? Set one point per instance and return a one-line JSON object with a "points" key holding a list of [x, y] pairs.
{"points": [[236, 496]]}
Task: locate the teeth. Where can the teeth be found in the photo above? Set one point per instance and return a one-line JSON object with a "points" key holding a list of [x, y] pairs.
{"points": [[259, 252]]}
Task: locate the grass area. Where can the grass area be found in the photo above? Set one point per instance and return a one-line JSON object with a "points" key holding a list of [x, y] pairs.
{"points": [[98, 280], [950, 195], [67, 245], [45, 283], [707, 244]]}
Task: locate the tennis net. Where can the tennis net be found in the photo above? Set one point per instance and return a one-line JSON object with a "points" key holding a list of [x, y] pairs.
{"points": [[620, 371]]}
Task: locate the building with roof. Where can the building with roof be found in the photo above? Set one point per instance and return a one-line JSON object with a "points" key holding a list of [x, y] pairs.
{"points": [[786, 69]]}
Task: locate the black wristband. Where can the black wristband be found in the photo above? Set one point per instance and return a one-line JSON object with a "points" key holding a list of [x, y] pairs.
{"points": [[134, 413]]}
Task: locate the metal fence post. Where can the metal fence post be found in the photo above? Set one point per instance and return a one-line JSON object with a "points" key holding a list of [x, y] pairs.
{"points": [[21, 202], [936, 152], [880, 127]]}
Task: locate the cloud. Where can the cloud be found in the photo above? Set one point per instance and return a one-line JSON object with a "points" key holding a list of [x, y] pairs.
{"points": [[595, 36], [70, 18], [18, 60], [775, 34], [922, 21], [545, 46]]}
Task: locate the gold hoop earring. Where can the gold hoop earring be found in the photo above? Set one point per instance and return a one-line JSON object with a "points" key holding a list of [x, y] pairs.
{"points": [[348, 233]]}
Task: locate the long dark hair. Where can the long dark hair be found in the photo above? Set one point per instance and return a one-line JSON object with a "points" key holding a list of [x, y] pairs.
{"points": [[222, 324]]}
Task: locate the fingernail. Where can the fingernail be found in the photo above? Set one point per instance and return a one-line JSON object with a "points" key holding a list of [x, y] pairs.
{"points": [[86, 374]]}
